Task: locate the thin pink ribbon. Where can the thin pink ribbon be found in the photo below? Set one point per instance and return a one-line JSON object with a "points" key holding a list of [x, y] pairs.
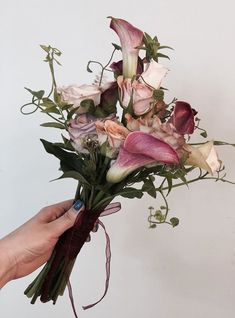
{"points": [[110, 209]]}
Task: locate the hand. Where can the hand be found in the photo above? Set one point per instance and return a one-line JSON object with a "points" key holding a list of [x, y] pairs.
{"points": [[31, 245]]}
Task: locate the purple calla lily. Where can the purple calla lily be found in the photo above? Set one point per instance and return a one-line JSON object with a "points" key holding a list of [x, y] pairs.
{"points": [[130, 38], [183, 118], [140, 149]]}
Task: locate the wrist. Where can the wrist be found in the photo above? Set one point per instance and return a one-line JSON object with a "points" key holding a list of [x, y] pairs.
{"points": [[7, 264]]}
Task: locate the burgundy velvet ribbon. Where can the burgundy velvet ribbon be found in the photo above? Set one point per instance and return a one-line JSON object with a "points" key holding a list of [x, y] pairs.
{"points": [[110, 209]]}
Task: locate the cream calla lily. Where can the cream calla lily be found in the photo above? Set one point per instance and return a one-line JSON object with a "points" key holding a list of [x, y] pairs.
{"points": [[204, 157]]}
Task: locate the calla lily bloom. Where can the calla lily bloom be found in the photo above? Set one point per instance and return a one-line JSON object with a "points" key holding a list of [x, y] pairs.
{"points": [[204, 157], [140, 149], [183, 118], [131, 38]]}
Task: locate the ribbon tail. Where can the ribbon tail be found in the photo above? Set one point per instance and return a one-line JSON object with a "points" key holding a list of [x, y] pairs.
{"points": [[111, 208], [108, 260]]}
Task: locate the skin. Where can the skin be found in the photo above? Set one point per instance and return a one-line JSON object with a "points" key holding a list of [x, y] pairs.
{"points": [[30, 245]]}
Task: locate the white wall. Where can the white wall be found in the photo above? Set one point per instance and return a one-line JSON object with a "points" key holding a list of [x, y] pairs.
{"points": [[184, 272]]}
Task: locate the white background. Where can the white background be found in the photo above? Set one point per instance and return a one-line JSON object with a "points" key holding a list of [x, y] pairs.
{"points": [[184, 272]]}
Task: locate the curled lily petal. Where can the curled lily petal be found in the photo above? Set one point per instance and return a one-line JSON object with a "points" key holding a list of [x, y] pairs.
{"points": [[130, 38], [126, 163], [204, 157], [154, 74], [140, 149], [183, 118], [139, 142]]}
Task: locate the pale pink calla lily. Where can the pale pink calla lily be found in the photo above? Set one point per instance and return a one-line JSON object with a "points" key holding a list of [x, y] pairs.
{"points": [[204, 157], [140, 149], [154, 74], [130, 38]]}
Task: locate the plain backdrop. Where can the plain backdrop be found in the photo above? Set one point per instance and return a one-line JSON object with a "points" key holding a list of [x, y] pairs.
{"points": [[184, 272]]}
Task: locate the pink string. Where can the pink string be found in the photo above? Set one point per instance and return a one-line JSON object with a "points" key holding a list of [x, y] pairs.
{"points": [[107, 265], [70, 290]]}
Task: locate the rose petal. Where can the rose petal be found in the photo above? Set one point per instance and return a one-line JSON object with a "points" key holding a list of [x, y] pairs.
{"points": [[154, 74]]}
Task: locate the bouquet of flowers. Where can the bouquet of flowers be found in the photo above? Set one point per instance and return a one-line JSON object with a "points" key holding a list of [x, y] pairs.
{"points": [[121, 138]]}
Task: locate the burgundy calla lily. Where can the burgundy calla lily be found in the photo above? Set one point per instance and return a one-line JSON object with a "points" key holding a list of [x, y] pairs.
{"points": [[140, 149], [130, 38], [183, 118]]}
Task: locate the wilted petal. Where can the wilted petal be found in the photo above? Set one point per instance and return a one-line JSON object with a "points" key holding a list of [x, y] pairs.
{"points": [[154, 74], [140, 149], [183, 118], [204, 157], [130, 38]]}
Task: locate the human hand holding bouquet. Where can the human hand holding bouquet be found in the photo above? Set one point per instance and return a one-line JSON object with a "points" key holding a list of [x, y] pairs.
{"points": [[145, 150]]}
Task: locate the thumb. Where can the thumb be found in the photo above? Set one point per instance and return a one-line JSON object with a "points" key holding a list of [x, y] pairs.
{"points": [[66, 221]]}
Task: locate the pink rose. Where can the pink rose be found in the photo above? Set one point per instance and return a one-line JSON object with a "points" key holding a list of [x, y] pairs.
{"points": [[141, 91], [74, 94], [111, 131]]}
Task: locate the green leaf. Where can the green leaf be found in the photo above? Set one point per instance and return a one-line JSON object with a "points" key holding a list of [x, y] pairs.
{"points": [[222, 143], [149, 187], [147, 37], [74, 175], [158, 94], [72, 112], [159, 216], [68, 160], [163, 56], [204, 134], [67, 144], [47, 102], [117, 47], [53, 125], [66, 106], [46, 48], [52, 109], [169, 183], [174, 221], [38, 94], [165, 47], [131, 193], [88, 105]]}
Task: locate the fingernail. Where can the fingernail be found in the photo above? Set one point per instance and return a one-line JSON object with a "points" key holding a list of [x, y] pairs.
{"points": [[77, 205]]}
